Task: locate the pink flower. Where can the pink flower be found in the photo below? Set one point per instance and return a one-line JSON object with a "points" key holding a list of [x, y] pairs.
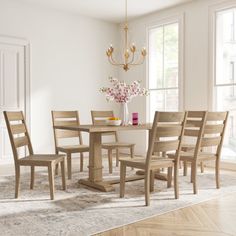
{"points": [[123, 93]]}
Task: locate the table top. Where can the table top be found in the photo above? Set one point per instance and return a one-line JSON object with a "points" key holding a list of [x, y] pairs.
{"points": [[105, 128]]}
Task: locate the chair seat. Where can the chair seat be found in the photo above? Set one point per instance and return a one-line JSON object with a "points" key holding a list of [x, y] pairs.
{"points": [[140, 162], [73, 148], [116, 145], [40, 159], [189, 156]]}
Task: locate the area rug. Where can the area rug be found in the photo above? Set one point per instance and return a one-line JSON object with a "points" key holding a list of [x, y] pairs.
{"points": [[82, 211]]}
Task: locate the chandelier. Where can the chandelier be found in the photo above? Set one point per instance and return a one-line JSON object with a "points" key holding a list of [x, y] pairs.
{"points": [[129, 58]]}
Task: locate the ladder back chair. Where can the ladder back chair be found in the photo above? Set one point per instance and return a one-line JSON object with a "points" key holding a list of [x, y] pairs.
{"points": [[19, 138], [210, 136], [195, 123], [68, 118], [99, 118], [165, 136]]}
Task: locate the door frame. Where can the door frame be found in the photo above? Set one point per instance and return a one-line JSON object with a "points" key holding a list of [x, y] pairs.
{"points": [[11, 40]]}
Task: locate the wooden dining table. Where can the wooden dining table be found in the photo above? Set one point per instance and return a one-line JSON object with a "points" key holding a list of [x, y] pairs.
{"points": [[95, 177]]}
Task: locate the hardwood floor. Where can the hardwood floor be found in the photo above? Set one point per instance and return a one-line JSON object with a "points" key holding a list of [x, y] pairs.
{"points": [[211, 218]]}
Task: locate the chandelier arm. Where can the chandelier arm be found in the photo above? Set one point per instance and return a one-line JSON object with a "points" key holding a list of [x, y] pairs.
{"points": [[140, 61], [113, 62], [132, 59]]}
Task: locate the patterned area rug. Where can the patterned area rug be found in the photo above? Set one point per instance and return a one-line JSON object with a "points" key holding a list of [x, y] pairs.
{"points": [[81, 211]]}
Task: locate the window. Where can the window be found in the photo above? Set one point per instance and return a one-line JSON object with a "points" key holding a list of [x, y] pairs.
{"points": [[225, 81], [164, 68]]}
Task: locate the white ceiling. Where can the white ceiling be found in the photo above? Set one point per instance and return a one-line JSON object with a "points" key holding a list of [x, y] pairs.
{"points": [[109, 10]]}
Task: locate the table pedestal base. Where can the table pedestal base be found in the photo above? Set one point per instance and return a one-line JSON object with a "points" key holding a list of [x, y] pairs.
{"points": [[106, 185], [102, 186]]}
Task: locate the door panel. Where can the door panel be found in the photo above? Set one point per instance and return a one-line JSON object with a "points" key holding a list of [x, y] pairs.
{"points": [[12, 90]]}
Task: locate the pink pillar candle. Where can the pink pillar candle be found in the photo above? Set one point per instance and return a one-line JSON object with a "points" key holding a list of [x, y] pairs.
{"points": [[135, 118]]}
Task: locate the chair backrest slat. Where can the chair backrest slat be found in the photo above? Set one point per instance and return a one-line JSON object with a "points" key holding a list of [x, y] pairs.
{"points": [[216, 116], [191, 132], [101, 114], [21, 142], [15, 116], [62, 134], [166, 134], [65, 118], [65, 122], [18, 129], [210, 141], [194, 122], [165, 146], [196, 114], [64, 114], [18, 133], [214, 129], [168, 131]]}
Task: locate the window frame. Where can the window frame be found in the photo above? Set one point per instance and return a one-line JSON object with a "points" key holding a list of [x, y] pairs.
{"points": [[162, 22], [212, 85]]}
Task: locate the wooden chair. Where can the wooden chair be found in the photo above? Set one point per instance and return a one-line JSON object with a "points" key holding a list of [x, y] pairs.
{"points": [[68, 118], [99, 118], [165, 136], [19, 138], [211, 138]]}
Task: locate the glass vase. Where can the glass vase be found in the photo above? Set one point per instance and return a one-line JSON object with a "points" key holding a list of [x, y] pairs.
{"points": [[124, 114]]}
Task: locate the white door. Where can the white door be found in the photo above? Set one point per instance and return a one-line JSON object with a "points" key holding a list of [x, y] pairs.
{"points": [[12, 90]]}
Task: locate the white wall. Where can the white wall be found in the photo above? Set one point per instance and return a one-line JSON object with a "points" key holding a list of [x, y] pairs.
{"points": [[68, 62], [196, 77]]}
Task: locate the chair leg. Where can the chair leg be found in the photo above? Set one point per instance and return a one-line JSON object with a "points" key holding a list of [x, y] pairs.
{"points": [[117, 157], [152, 179], [17, 177], [169, 177], [57, 165], [110, 160], [122, 179], [51, 181], [180, 164], [81, 162], [132, 154], [176, 181], [194, 177], [56, 169], [63, 175], [202, 167], [192, 172], [217, 173], [69, 165], [147, 188], [185, 168], [32, 178]]}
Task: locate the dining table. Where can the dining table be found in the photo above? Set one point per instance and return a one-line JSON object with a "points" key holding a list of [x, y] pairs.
{"points": [[95, 168]]}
